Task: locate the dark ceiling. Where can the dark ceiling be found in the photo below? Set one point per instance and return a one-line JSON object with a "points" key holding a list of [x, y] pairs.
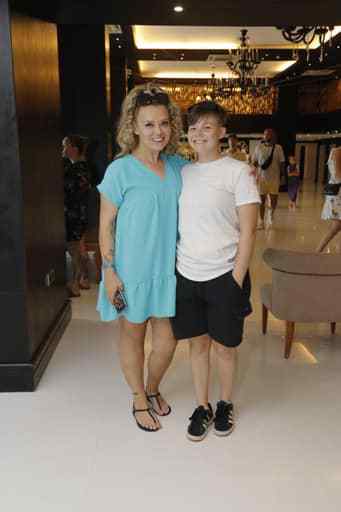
{"points": [[196, 12]]}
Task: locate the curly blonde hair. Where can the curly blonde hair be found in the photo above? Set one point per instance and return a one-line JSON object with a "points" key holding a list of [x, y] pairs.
{"points": [[127, 139]]}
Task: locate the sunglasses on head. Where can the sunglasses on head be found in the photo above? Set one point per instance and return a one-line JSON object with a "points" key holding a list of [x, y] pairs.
{"points": [[153, 97]]}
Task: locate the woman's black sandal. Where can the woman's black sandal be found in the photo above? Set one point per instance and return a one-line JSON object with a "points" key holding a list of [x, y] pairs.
{"points": [[146, 429], [155, 396]]}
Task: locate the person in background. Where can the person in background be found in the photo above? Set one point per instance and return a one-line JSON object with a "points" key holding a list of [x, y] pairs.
{"points": [[138, 233], [234, 150], [93, 211], [332, 205], [269, 158], [293, 182], [76, 195]]}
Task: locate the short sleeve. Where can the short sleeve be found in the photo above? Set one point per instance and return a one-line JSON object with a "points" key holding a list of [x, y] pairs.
{"points": [[112, 185], [245, 188]]}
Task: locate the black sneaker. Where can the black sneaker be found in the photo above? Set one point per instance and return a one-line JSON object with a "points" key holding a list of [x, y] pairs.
{"points": [[201, 421], [223, 421]]}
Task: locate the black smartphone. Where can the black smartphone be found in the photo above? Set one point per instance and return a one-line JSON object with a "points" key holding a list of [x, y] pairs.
{"points": [[119, 301]]}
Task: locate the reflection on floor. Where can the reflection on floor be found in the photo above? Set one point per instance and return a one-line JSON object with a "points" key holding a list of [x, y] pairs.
{"points": [[73, 445]]}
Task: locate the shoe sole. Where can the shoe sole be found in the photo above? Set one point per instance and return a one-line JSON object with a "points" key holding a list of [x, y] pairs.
{"points": [[223, 433], [200, 438]]}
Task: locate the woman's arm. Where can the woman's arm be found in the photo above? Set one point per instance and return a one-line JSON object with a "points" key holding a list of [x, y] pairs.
{"points": [[248, 215], [107, 219]]}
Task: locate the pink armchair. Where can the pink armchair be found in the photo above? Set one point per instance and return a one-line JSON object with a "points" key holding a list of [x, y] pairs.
{"points": [[305, 288]]}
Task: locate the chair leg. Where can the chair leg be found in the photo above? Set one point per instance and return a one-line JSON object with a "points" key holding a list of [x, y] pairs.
{"points": [[264, 319], [289, 335], [332, 327]]}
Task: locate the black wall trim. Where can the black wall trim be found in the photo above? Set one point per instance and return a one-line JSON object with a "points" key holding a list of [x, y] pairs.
{"points": [[25, 377]]}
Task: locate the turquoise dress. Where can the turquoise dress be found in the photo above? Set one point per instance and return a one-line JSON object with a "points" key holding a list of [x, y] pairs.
{"points": [[145, 237]]}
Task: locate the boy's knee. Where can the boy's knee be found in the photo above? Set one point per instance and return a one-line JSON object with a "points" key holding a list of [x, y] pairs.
{"points": [[200, 345], [223, 352]]}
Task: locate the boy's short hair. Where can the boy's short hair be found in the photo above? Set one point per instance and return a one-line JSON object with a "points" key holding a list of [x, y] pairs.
{"points": [[205, 108]]}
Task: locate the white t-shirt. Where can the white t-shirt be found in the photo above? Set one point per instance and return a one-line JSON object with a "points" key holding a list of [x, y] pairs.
{"points": [[262, 152], [208, 219]]}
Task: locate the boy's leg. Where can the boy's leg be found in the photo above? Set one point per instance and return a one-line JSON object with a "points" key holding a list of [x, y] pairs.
{"points": [[226, 366], [227, 303], [202, 416], [190, 323], [200, 362]]}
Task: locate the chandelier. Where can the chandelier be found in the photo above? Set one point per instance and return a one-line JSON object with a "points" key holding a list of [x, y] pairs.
{"points": [[243, 61], [222, 88], [306, 34]]}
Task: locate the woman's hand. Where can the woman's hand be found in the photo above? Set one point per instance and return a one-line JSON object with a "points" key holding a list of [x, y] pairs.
{"points": [[112, 284]]}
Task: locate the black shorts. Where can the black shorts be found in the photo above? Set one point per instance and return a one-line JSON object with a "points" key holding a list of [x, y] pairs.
{"points": [[216, 307]]}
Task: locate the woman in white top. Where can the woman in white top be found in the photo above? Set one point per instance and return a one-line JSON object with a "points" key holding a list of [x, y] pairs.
{"points": [[332, 205]]}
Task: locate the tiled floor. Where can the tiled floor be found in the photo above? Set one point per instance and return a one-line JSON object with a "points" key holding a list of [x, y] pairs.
{"points": [[73, 445]]}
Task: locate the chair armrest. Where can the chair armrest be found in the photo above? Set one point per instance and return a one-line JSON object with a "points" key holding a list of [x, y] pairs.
{"points": [[303, 263]]}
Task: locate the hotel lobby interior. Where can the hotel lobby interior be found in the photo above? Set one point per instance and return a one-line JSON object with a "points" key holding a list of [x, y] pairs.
{"points": [[69, 440]]}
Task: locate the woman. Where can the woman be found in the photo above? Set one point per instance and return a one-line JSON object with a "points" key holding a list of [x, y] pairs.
{"points": [[76, 196], [332, 205], [139, 193]]}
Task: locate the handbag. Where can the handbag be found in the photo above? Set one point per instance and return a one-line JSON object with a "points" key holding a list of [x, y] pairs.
{"points": [[266, 164], [331, 189]]}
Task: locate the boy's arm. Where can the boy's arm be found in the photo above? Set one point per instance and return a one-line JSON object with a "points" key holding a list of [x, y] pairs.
{"points": [[248, 215]]}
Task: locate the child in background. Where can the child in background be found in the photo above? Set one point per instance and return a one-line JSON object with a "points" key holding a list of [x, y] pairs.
{"points": [[293, 182]]}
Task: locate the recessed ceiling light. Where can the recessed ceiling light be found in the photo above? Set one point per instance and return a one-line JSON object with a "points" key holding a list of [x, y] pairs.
{"points": [[178, 8]]}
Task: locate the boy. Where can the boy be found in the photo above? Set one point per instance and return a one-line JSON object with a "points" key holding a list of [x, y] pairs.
{"points": [[218, 211]]}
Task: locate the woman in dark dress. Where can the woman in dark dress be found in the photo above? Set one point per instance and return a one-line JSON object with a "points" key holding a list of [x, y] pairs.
{"points": [[77, 184]]}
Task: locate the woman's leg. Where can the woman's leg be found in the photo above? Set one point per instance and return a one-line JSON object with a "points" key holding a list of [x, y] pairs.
{"points": [[200, 361], [333, 231], [73, 249], [226, 364], [163, 348], [131, 352]]}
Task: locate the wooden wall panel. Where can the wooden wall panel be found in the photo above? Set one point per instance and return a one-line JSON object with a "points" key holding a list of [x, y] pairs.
{"points": [[14, 341], [319, 97], [36, 72]]}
